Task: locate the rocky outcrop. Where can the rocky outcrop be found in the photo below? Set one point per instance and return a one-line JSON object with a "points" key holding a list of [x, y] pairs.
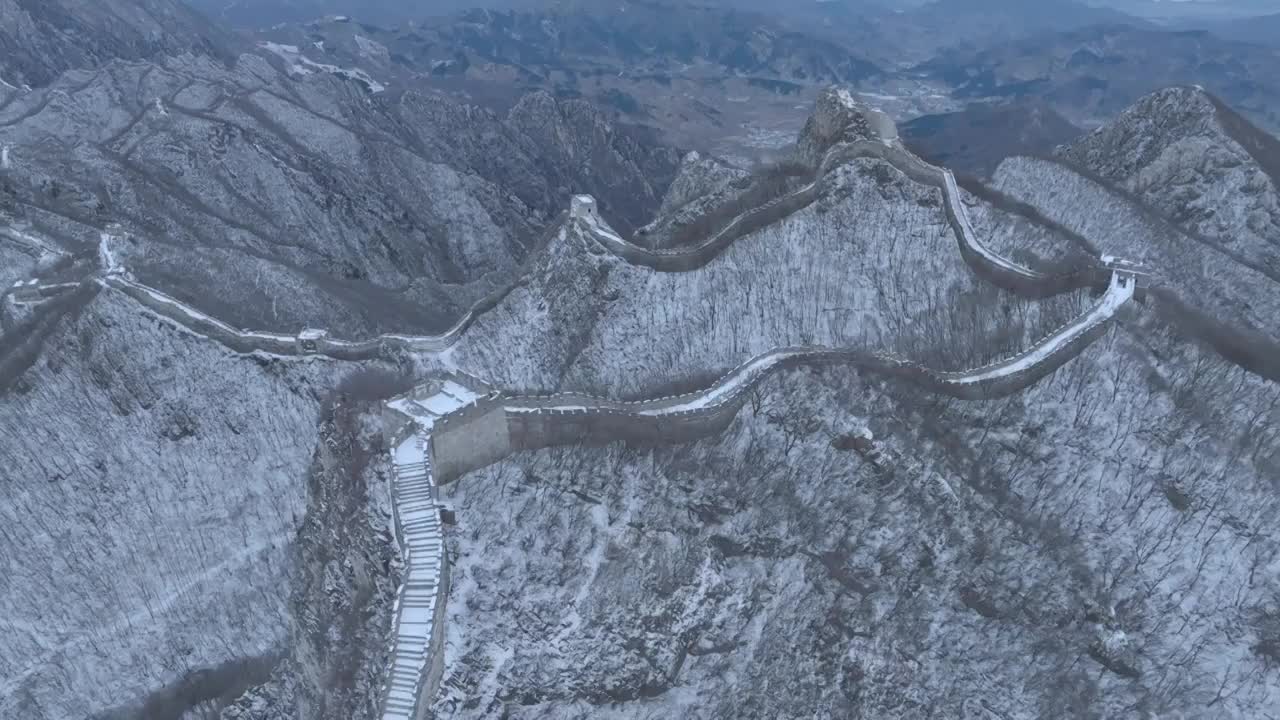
{"points": [[839, 118], [1200, 164], [699, 175], [344, 587]]}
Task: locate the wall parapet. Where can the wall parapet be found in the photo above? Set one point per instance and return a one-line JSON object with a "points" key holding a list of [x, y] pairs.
{"points": [[496, 426]]}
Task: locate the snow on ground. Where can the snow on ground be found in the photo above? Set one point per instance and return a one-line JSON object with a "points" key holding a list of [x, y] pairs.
{"points": [[727, 389], [106, 256], [32, 241], [855, 269], [422, 540], [1119, 292], [1080, 555], [300, 64], [153, 506]]}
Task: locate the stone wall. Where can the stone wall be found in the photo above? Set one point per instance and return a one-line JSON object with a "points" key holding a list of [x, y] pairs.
{"points": [[1026, 282], [493, 428], [435, 670], [469, 439]]}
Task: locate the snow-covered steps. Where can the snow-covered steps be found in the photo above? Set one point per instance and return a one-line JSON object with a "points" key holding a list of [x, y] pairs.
{"points": [[422, 543]]}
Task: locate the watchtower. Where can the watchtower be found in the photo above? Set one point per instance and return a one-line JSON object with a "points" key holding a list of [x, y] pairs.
{"points": [[308, 341], [583, 207], [1140, 273]]}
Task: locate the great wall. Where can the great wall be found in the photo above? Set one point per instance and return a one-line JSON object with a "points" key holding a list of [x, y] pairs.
{"points": [[450, 426]]}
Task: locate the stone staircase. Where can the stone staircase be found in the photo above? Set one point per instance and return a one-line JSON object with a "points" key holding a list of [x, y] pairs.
{"points": [[422, 541]]}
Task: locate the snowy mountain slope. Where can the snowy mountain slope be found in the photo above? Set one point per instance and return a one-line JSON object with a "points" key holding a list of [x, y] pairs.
{"points": [[153, 484], [622, 619], [1016, 557], [43, 39], [592, 322], [873, 260], [1185, 184], [1203, 287], [310, 198], [1204, 166], [124, 389]]}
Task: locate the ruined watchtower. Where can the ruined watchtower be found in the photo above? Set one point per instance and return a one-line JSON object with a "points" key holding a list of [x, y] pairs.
{"points": [[308, 341], [583, 207], [1139, 272]]}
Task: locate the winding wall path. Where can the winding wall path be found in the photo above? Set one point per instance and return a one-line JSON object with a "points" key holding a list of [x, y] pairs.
{"points": [[985, 262], [460, 428]]}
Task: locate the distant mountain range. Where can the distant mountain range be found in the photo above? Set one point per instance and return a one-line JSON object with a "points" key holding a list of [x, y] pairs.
{"points": [[1092, 73], [1182, 10], [1262, 30], [697, 75]]}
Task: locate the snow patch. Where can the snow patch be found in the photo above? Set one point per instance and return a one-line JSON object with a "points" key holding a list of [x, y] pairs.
{"points": [[106, 256], [300, 64]]}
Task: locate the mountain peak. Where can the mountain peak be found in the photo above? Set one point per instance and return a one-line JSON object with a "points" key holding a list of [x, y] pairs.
{"points": [[1175, 150], [1147, 128], [840, 117]]}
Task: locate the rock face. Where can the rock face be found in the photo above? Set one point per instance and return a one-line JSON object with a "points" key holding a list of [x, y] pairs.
{"points": [[348, 569]]}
